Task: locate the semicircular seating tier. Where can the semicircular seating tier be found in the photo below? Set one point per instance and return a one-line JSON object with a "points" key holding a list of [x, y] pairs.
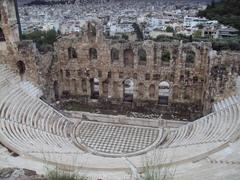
{"points": [[34, 129]]}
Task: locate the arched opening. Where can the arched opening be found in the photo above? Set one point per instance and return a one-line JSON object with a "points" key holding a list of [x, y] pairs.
{"points": [[92, 33], [21, 67], [128, 90], [2, 37], [72, 53], [152, 91], [93, 54], [116, 89], [114, 54], [74, 84], [61, 75], [94, 82], [68, 74], [128, 58], [164, 92], [190, 57], [142, 57], [166, 57], [105, 88], [84, 86], [56, 90], [141, 89]]}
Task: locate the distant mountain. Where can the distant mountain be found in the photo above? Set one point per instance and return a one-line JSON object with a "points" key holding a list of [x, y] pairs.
{"points": [[226, 12]]}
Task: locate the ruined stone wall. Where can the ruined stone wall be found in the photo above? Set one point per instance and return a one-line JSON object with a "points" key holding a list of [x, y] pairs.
{"points": [[18, 55], [172, 78], [77, 66], [224, 69]]}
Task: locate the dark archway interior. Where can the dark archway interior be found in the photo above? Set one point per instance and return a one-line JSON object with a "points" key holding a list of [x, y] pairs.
{"points": [[21, 67]]}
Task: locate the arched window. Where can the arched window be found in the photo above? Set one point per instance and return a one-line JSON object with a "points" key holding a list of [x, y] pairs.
{"points": [[142, 57], [93, 54], [141, 90], [114, 54], [21, 67], [94, 82], [2, 37], [190, 56], [166, 56], [68, 73], [163, 92], [84, 86], [61, 75], [128, 90], [72, 53], [56, 91], [195, 79], [116, 89], [105, 88], [74, 84], [152, 91], [128, 58], [92, 32]]}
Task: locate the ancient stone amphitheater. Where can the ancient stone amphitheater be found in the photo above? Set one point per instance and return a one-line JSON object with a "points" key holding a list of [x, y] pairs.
{"points": [[207, 148], [36, 136]]}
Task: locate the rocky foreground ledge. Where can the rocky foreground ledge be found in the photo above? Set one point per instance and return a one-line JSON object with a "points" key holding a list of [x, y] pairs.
{"points": [[19, 174]]}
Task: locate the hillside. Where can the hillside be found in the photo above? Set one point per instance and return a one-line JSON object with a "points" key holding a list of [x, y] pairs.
{"points": [[226, 12]]}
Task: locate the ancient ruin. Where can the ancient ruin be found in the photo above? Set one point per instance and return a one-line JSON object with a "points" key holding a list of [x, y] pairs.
{"points": [[178, 80]]}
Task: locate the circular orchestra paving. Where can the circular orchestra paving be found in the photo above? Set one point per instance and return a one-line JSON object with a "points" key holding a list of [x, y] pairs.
{"points": [[117, 140]]}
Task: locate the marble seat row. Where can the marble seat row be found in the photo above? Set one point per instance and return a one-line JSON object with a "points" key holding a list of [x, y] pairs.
{"points": [[215, 127], [31, 127], [225, 103]]}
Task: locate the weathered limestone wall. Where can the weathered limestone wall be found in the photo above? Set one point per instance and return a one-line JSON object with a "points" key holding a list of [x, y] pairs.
{"points": [[168, 77]]}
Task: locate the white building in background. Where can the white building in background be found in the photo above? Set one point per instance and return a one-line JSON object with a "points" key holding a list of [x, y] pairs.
{"points": [[51, 25], [193, 21]]}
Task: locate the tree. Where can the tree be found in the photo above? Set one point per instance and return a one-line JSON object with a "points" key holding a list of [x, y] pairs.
{"points": [[197, 34], [225, 11], [169, 29], [138, 31], [44, 40]]}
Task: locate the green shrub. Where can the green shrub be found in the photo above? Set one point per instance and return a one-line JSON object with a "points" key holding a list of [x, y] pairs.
{"points": [[57, 175]]}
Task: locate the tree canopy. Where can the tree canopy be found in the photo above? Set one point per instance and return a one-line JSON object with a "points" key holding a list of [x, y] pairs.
{"points": [[226, 12]]}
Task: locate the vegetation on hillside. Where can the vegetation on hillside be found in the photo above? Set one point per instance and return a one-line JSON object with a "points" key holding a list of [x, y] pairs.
{"points": [[226, 12], [44, 39], [57, 175]]}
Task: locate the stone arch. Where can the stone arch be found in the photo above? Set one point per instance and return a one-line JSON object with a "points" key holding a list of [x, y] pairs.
{"points": [[195, 79], [61, 74], [141, 89], [142, 57], [84, 86], [91, 31], [163, 92], [21, 67], [128, 86], [115, 89], [93, 54], [56, 89], [114, 54], [152, 91], [94, 83], [128, 58], [190, 56], [2, 36], [166, 56], [74, 84], [72, 54], [105, 88], [68, 74]]}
